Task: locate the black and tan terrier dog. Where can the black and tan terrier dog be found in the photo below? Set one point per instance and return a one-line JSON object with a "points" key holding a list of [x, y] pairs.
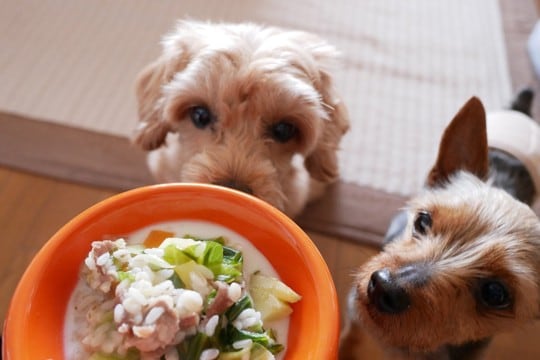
{"points": [[465, 267]]}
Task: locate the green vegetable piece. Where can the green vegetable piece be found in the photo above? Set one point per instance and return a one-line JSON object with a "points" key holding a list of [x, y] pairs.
{"points": [[239, 306], [209, 299], [231, 253], [225, 262], [123, 275], [213, 257], [258, 337], [231, 267], [196, 252], [275, 348], [193, 347], [175, 256], [177, 282], [263, 338]]}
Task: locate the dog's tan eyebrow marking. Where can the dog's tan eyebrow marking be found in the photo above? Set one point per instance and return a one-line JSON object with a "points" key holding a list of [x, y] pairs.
{"points": [[458, 223]]}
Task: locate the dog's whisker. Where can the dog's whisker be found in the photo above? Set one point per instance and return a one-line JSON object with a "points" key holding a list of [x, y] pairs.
{"points": [[327, 106]]}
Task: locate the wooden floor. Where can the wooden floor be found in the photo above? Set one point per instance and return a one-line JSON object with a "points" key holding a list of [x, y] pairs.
{"points": [[32, 208]]}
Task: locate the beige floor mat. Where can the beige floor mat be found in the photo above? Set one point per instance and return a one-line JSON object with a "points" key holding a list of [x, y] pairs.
{"points": [[407, 67]]}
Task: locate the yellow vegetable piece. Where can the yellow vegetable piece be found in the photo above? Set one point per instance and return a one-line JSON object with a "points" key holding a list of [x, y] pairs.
{"points": [[271, 297], [259, 352], [270, 307], [274, 286], [191, 271]]}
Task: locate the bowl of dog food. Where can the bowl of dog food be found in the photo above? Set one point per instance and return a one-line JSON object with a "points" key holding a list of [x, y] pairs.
{"points": [[175, 271]]}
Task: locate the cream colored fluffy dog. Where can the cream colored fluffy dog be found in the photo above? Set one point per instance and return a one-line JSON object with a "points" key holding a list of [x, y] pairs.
{"points": [[244, 106]]}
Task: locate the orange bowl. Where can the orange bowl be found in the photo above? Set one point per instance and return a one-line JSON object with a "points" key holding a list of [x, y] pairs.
{"points": [[34, 324]]}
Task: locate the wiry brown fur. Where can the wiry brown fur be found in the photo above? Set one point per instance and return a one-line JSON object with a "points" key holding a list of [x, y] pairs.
{"points": [[250, 77], [477, 232]]}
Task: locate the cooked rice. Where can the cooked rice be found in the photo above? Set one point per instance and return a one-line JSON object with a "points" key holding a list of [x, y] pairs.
{"points": [[144, 309]]}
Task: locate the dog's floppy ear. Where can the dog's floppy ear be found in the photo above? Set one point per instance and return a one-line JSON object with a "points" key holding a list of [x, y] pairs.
{"points": [[153, 126], [322, 162], [463, 145]]}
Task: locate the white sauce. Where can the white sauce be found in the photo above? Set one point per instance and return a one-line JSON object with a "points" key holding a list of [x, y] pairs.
{"points": [[254, 261]]}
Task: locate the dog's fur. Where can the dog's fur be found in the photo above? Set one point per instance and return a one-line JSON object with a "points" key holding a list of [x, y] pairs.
{"points": [[257, 86], [465, 241]]}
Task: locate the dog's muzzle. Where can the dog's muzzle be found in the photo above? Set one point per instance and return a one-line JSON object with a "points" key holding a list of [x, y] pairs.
{"points": [[233, 184]]}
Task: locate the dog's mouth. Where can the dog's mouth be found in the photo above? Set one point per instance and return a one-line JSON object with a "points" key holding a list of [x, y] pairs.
{"points": [[267, 192], [256, 178], [236, 185]]}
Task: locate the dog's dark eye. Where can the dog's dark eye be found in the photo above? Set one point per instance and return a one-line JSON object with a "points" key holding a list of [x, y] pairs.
{"points": [[494, 294], [200, 116], [422, 222], [283, 131]]}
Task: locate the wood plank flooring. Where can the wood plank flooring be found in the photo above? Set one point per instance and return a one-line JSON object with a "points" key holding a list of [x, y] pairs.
{"points": [[33, 208]]}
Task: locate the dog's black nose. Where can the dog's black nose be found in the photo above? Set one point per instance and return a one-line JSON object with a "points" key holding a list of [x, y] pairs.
{"points": [[233, 184], [386, 294]]}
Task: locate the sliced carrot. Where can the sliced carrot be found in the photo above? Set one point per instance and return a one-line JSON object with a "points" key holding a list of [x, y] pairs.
{"points": [[156, 237]]}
